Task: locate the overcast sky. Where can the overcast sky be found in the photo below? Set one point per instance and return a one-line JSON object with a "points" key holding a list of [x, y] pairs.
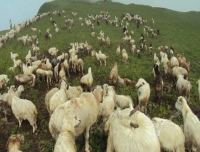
{"points": [[20, 10]]}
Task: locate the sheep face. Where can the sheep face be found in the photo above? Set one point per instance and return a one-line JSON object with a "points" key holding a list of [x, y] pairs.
{"points": [[140, 83], [180, 103]]}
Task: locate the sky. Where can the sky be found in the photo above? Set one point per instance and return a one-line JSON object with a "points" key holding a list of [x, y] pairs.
{"points": [[20, 10]]}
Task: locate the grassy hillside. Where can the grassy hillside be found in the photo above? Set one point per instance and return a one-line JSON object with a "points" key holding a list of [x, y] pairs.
{"points": [[179, 30]]}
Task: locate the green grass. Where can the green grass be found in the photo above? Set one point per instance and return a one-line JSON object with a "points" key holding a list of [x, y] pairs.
{"points": [[180, 30]]}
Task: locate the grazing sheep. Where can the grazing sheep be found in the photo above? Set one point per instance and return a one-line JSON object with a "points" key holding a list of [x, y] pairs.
{"points": [[86, 107], [198, 85], [114, 73], [66, 139], [13, 143], [191, 124], [134, 133], [87, 80], [101, 57], [143, 94], [179, 70], [183, 63], [170, 135], [183, 87], [24, 110]]}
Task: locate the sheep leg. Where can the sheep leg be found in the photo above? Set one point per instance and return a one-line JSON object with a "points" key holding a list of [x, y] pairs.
{"points": [[5, 113], [20, 121], [105, 62], [87, 139], [109, 144]]}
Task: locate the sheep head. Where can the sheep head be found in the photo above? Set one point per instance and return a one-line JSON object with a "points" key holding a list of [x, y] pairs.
{"points": [[180, 103]]}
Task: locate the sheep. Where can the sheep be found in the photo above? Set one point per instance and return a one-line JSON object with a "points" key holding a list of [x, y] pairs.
{"points": [[108, 104], [28, 69], [170, 135], [34, 29], [198, 85], [101, 57], [40, 73], [66, 139], [179, 70], [80, 66], [120, 82], [143, 94], [124, 57], [138, 53], [129, 129], [191, 124], [183, 63], [86, 107], [118, 50], [3, 80], [53, 51], [49, 77], [183, 87], [174, 62], [122, 101], [13, 143], [93, 34], [129, 82], [114, 73], [24, 109], [60, 96], [87, 80], [28, 55], [155, 58], [13, 55], [24, 79]]}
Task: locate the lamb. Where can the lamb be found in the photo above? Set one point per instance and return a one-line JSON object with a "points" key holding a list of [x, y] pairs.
{"points": [[143, 94], [87, 80], [170, 135], [198, 85], [13, 143], [183, 87], [66, 139], [101, 57], [3, 80], [24, 109], [86, 107], [125, 132], [114, 73], [191, 124]]}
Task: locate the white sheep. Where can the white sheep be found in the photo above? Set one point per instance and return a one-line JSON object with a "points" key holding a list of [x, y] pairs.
{"points": [[114, 73], [198, 85], [170, 135], [124, 57], [59, 97], [174, 62], [49, 77], [53, 51], [120, 82], [48, 97], [101, 57], [66, 139], [183, 87], [3, 80], [28, 55], [13, 55], [24, 110], [87, 80], [118, 50], [134, 133], [73, 92], [179, 70], [122, 101], [86, 107], [191, 124], [143, 94]]}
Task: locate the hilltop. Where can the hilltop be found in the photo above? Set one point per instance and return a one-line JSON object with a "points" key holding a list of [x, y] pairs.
{"points": [[177, 29]]}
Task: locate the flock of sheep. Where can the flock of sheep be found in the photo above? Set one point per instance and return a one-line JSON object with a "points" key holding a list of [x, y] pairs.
{"points": [[74, 109]]}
